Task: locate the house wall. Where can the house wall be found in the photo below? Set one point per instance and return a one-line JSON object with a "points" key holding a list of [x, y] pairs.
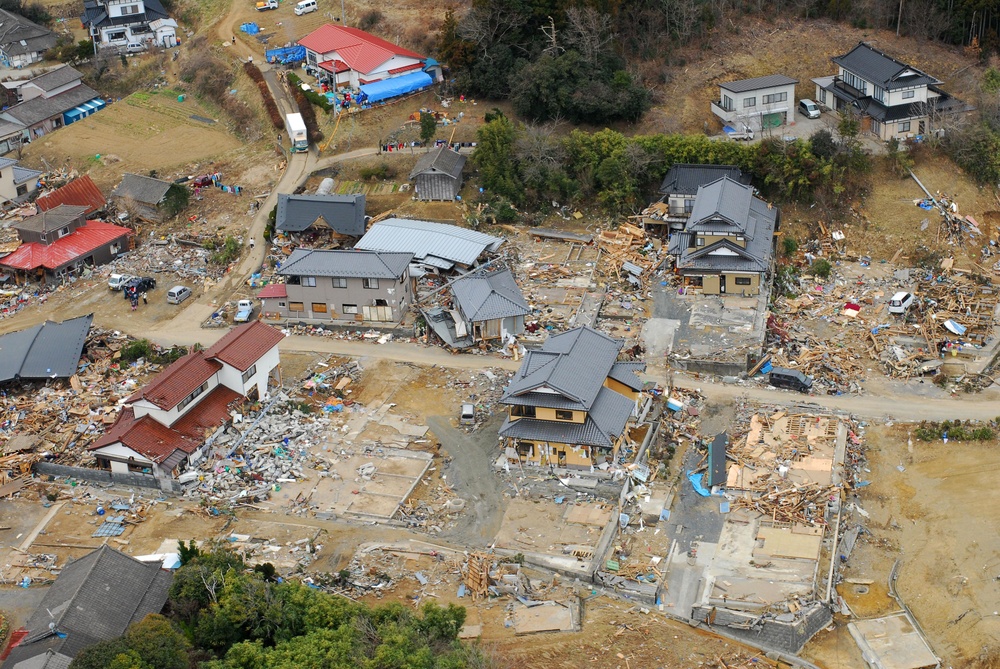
{"points": [[168, 418], [8, 189], [513, 325], [232, 378], [120, 456], [98, 256], [436, 186], [396, 293], [548, 453], [711, 283], [620, 388], [709, 239], [353, 77], [30, 91], [21, 59], [752, 116]]}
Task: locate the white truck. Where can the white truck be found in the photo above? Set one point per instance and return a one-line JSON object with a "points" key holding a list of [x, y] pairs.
{"points": [[244, 311], [297, 134], [267, 4]]}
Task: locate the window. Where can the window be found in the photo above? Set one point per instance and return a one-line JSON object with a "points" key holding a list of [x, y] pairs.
{"points": [[282, 304], [688, 206], [190, 398], [339, 282], [908, 94], [250, 372], [904, 127], [116, 36], [822, 95], [319, 307], [749, 102], [700, 241], [370, 283], [523, 411], [878, 93], [22, 189], [350, 309], [309, 281], [742, 281], [296, 306], [561, 414], [130, 9], [727, 103], [775, 97], [856, 82]]}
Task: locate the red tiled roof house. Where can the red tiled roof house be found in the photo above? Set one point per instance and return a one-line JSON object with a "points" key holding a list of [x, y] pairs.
{"points": [[163, 427], [352, 57]]}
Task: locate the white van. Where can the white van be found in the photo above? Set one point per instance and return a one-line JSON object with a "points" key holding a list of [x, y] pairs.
{"points": [[118, 281], [305, 6], [900, 302], [135, 47], [178, 294], [808, 108]]}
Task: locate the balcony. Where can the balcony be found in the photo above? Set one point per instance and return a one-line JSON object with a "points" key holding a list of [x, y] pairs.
{"points": [[727, 115]]}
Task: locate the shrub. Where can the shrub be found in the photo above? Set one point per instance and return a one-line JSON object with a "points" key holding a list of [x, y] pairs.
{"points": [[226, 253], [306, 109], [376, 172], [315, 98], [140, 348], [370, 20], [821, 267], [789, 246], [265, 93]]}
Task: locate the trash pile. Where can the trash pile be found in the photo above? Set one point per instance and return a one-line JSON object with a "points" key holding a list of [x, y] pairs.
{"points": [[627, 253], [184, 258]]}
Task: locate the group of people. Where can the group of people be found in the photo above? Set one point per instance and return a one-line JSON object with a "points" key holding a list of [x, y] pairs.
{"points": [[134, 296]]}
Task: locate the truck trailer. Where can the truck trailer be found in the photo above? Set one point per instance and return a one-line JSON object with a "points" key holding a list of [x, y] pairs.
{"points": [[297, 134]]}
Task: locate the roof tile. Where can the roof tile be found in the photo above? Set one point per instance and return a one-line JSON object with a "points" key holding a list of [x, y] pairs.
{"points": [[244, 345]]}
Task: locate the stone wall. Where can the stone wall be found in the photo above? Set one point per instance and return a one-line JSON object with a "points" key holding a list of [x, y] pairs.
{"points": [[768, 632], [106, 477]]}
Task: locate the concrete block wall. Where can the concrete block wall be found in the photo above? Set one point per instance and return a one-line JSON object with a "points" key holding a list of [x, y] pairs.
{"points": [[105, 477], [769, 634]]}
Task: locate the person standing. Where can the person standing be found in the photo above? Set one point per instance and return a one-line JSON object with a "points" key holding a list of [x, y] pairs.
{"points": [[234, 39], [144, 300]]}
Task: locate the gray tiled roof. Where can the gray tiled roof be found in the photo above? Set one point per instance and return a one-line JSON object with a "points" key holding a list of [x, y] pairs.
{"points": [[605, 421], [436, 243], [48, 350], [344, 214], [95, 13], [55, 78], [721, 206], [625, 372], [684, 179], [881, 69], [38, 109], [490, 296], [146, 190], [94, 599], [22, 174], [755, 258], [573, 364], [347, 264], [744, 85], [7, 162], [440, 161], [53, 219], [34, 36]]}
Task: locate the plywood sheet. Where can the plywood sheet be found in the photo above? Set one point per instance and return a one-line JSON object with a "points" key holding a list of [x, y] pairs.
{"points": [[781, 542]]}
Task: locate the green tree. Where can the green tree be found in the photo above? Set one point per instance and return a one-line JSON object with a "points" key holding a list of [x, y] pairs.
{"points": [[821, 267], [789, 246], [428, 127], [176, 200], [158, 643], [127, 660], [187, 553], [102, 655], [823, 144], [494, 157]]}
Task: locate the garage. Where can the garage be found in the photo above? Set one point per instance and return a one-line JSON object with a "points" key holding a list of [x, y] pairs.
{"points": [[774, 120]]}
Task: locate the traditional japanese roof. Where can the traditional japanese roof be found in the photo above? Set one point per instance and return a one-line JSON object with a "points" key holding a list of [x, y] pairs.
{"points": [[20, 36], [83, 192], [244, 345], [361, 51], [757, 83], [95, 13], [39, 109], [344, 214], [881, 69], [64, 250], [686, 179], [441, 160], [484, 297], [48, 350], [604, 423], [146, 190], [55, 78], [52, 219]]}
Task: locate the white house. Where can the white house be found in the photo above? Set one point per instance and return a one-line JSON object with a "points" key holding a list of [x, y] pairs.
{"points": [[163, 427], [115, 23], [759, 103]]}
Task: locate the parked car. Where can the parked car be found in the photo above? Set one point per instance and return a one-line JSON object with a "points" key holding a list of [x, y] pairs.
{"points": [[138, 285], [793, 379], [808, 108], [900, 302], [468, 415], [134, 48], [244, 311], [744, 132], [305, 7], [201, 182], [178, 294], [118, 281]]}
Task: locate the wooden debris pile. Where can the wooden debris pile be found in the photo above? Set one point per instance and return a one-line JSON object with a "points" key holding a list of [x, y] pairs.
{"points": [[627, 253]]}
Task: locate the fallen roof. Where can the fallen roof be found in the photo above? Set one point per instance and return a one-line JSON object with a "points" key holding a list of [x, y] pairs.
{"points": [[64, 250], [146, 190], [440, 161], [83, 192], [436, 244], [244, 345], [48, 350], [484, 297], [361, 51], [344, 214]]}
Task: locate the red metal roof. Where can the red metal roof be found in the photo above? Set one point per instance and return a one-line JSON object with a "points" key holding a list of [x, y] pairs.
{"points": [[83, 192], [65, 250], [406, 68], [274, 290], [361, 51], [177, 381], [244, 345], [151, 439], [335, 66]]}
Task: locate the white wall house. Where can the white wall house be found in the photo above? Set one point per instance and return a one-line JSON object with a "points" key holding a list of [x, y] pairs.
{"points": [[760, 103], [352, 57], [115, 23]]}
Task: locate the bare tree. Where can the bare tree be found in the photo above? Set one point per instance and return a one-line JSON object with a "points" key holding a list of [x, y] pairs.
{"points": [[485, 26], [538, 153], [589, 32]]}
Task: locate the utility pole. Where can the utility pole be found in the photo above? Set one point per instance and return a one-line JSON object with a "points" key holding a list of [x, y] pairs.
{"points": [[899, 19], [343, 15]]}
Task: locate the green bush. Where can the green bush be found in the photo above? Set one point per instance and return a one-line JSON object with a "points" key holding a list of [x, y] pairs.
{"points": [[226, 253], [821, 267], [317, 99], [140, 348], [789, 246], [378, 172]]}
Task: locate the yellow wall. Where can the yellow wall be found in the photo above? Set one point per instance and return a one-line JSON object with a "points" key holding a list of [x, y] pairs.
{"points": [[544, 413], [713, 239], [545, 454], [621, 388], [733, 289]]}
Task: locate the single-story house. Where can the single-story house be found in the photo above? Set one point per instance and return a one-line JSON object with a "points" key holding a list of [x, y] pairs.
{"points": [[141, 195], [758, 103], [334, 215], [437, 246], [727, 245], [163, 427], [438, 174], [341, 286], [61, 242], [485, 306], [82, 192], [45, 351], [345, 56], [41, 115], [22, 42], [93, 599]]}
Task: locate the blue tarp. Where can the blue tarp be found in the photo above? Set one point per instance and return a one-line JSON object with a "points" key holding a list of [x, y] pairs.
{"points": [[286, 55], [695, 480], [391, 88], [250, 28], [955, 328]]}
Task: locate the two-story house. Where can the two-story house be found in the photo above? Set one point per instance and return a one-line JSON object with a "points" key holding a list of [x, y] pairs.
{"points": [[61, 242], [163, 427], [680, 187], [756, 104], [482, 306], [570, 402], [341, 287], [22, 42], [893, 99], [115, 23], [727, 245]]}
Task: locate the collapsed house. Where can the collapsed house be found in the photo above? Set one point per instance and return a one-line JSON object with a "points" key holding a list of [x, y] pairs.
{"points": [[314, 216], [484, 306], [436, 247], [570, 402], [45, 351], [163, 427]]}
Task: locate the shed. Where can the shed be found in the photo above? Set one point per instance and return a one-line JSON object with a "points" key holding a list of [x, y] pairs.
{"points": [[144, 193], [438, 175]]}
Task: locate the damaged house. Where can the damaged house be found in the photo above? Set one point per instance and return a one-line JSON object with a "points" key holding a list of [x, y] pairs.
{"points": [[570, 402], [436, 247], [678, 190], [312, 217], [485, 306], [164, 426], [727, 245]]}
